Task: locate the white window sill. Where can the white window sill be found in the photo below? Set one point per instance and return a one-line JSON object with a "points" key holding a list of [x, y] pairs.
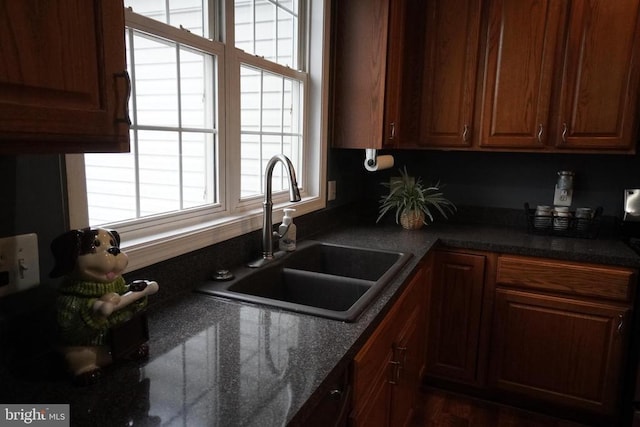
{"points": [[143, 252]]}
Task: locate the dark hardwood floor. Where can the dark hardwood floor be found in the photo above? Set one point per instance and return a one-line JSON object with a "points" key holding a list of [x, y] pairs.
{"points": [[443, 409]]}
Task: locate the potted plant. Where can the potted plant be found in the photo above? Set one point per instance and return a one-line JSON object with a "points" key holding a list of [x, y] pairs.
{"points": [[413, 202]]}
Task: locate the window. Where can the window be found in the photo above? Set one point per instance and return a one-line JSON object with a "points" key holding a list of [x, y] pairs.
{"points": [[206, 119]]}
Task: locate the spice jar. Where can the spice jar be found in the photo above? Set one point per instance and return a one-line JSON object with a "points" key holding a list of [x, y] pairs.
{"points": [[561, 218]]}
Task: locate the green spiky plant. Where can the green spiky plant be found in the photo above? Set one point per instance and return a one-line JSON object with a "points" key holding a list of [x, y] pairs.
{"points": [[408, 194]]}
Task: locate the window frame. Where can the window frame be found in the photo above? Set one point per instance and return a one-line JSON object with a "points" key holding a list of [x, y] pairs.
{"points": [[231, 217]]}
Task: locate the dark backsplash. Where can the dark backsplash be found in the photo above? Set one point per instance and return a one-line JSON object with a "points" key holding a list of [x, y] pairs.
{"points": [[487, 187]]}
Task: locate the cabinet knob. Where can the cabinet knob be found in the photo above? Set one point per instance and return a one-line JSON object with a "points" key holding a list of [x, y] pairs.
{"points": [[335, 394], [565, 129]]}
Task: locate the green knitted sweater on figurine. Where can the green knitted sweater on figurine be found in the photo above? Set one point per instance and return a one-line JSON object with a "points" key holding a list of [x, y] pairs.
{"points": [[78, 323]]}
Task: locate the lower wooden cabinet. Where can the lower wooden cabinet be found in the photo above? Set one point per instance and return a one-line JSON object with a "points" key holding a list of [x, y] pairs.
{"points": [[332, 409], [455, 315], [557, 349], [537, 332], [387, 370], [560, 330]]}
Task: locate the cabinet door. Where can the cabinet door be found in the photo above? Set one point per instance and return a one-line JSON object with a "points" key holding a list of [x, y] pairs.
{"points": [[599, 106], [63, 86], [455, 316], [359, 72], [374, 410], [372, 372], [386, 371], [558, 350], [408, 357], [408, 350], [376, 47], [522, 48], [332, 410], [450, 71]]}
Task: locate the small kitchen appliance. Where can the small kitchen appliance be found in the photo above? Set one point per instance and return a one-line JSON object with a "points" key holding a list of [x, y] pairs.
{"points": [[630, 227], [631, 205]]}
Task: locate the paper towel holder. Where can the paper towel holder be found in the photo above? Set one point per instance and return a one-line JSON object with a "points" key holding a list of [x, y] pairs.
{"points": [[373, 163], [370, 157]]}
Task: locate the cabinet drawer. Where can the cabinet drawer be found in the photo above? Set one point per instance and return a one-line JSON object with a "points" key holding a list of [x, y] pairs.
{"points": [[565, 277]]}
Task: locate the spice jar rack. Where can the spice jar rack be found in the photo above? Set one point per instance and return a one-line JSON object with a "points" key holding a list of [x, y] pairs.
{"points": [[565, 224]]}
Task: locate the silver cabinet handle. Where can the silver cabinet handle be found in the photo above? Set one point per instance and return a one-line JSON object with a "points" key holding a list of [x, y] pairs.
{"points": [[540, 132], [402, 352], [465, 133], [620, 323], [392, 135], [395, 374], [565, 129], [125, 118]]}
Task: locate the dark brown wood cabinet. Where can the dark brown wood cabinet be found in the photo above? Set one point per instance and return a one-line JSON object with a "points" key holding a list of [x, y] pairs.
{"points": [[559, 76], [375, 46], [63, 81], [598, 109], [450, 73], [455, 316], [492, 75], [332, 409], [560, 330], [560, 350], [530, 331], [388, 368], [522, 40]]}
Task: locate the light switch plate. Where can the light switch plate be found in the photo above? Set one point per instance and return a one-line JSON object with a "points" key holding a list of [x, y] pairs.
{"points": [[331, 191], [19, 263]]}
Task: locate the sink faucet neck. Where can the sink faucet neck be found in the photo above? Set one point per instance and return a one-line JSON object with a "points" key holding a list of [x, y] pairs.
{"points": [[267, 204]]}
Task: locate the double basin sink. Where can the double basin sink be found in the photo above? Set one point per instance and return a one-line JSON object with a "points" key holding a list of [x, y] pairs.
{"points": [[321, 279]]}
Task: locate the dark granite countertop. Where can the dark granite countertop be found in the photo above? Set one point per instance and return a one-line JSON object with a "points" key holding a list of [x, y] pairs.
{"points": [[216, 362]]}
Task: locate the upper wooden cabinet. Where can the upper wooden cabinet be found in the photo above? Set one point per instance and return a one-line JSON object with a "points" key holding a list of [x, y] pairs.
{"points": [[521, 52], [63, 81], [493, 75], [450, 72], [374, 45], [592, 66], [560, 75], [599, 92]]}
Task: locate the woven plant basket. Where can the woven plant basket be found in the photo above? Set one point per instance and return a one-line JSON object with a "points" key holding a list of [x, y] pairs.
{"points": [[412, 220]]}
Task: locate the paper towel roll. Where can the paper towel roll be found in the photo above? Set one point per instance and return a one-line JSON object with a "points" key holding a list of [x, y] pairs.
{"points": [[379, 163]]}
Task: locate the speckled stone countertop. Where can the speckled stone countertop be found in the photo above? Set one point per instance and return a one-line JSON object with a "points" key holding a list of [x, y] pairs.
{"points": [[216, 362]]}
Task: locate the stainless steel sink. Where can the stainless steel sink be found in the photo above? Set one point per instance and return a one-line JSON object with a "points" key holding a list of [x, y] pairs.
{"points": [[321, 279]]}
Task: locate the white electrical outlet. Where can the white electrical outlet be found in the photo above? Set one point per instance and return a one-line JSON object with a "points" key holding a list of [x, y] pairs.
{"points": [[331, 191], [562, 197], [19, 263]]}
